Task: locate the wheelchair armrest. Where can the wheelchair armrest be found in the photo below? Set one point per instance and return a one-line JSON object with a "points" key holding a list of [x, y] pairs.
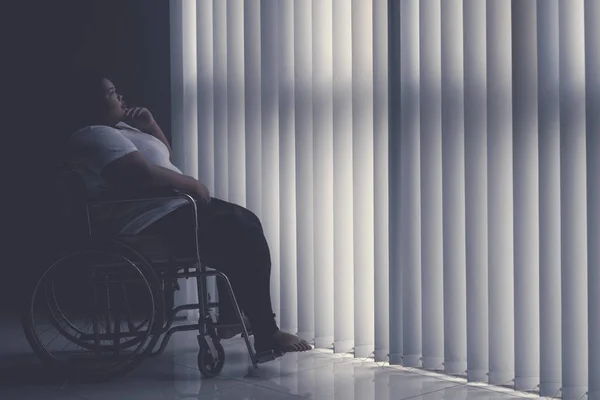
{"points": [[165, 194], [170, 194]]}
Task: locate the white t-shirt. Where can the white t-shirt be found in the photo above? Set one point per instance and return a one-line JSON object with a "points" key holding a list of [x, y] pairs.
{"points": [[96, 146]]}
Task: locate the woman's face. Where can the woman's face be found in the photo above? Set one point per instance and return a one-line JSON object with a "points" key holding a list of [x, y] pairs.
{"points": [[114, 106]]}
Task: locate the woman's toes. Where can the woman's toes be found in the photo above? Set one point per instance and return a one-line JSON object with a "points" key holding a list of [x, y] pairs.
{"points": [[290, 343]]}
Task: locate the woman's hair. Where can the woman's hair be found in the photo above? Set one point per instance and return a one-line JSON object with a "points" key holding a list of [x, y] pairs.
{"points": [[72, 100], [85, 93], [65, 101]]}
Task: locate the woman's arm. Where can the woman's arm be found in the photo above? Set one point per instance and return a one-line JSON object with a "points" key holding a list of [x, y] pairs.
{"points": [[142, 119], [155, 130], [132, 174]]}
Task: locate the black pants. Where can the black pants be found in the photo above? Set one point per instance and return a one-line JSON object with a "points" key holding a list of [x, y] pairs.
{"points": [[231, 240]]}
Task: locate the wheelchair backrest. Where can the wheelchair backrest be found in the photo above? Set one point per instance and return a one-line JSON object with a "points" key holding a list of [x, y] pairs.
{"points": [[71, 197]]}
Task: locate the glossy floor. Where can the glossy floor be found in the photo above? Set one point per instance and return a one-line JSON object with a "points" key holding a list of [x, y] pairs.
{"points": [[174, 375]]}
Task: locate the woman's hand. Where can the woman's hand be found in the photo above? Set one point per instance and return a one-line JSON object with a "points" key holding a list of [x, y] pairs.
{"points": [[201, 193], [140, 118]]}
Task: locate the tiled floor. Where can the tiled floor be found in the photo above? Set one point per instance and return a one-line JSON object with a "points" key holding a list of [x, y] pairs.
{"points": [[318, 375]]}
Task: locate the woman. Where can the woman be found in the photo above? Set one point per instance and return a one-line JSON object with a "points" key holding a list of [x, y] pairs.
{"points": [[115, 148]]}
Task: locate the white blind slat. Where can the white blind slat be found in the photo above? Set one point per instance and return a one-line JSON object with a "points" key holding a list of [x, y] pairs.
{"points": [[303, 73], [592, 68], [322, 89], [500, 192], [526, 197], [410, 182], [253, 104], [476, 182], [430, 36], [395, 191], [236, 100], [343, 285], [362, 157], [287, 167], [206, 94], [270, 170], [221, 90], [453, 167], [549, 169], [573, 199], [380, 148]]}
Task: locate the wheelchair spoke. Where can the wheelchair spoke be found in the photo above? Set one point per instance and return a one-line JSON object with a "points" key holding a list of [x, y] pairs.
{"points": [[130, 324], [117, 331], [67, 345], [88, 324], [55, 337], [95, 321], [108, 319], [46, 330]]}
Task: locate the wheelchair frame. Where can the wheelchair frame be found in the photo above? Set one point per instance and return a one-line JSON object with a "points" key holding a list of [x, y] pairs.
{"points": [[167, 270]]}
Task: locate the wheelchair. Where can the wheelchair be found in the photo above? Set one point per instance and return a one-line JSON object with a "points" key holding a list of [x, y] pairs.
{"points": [[109, 299]]}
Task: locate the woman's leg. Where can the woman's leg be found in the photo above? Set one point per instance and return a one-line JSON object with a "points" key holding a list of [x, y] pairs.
{"points": [[232, 241], [177, 231], [237, 241], [237, 247], [227, 314]]}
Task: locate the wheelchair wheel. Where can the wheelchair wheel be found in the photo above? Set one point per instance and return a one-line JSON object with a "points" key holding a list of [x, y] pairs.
{"points": [[75, 334], [211, 357], [93, 313]]}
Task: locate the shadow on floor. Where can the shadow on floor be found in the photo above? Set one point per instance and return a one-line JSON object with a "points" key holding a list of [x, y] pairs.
{"points": [[27, 373]]}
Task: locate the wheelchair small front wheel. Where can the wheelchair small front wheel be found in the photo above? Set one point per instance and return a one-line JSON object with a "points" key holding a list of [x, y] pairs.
{"points": [[211, 357]]}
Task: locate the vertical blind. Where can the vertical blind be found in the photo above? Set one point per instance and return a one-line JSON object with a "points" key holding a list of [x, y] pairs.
{"points": [[426, 172]]}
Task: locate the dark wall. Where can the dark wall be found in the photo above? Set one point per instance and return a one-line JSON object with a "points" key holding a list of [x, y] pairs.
{"points": [[129, 40], [126, 39]]}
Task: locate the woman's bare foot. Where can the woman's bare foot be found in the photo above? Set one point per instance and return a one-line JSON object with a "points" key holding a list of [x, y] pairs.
{"points": [[228, 333], [285, 342]]}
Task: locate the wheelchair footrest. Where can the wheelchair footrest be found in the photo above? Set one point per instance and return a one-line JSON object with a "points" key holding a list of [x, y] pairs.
{"points": [[267, 356]]}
